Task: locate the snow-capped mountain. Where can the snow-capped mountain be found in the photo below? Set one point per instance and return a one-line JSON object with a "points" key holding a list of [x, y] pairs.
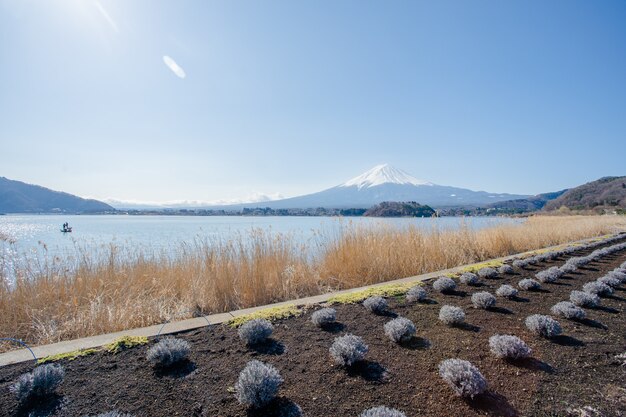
{"points": [[383, 174], [385, 183]]}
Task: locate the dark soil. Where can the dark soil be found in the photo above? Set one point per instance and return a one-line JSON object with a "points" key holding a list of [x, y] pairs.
{"points": [[572, 371]]}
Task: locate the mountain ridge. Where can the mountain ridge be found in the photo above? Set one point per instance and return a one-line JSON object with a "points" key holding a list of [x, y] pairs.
{"points": [[21, 197]]}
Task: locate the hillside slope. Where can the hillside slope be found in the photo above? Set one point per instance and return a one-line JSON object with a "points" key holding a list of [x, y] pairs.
{"points": [[19, 197], [607, 192]]}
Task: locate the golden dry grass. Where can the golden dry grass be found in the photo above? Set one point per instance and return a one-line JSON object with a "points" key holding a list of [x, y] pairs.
{"points": [[60, 300]]}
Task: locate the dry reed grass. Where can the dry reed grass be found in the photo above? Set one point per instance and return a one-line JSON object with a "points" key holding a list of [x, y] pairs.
{"points": [[60, 300]]}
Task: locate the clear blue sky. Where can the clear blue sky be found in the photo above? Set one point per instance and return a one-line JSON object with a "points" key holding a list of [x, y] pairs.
{"points": [[293, 96]]}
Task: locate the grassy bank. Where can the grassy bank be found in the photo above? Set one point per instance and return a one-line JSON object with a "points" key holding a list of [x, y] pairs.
{"points": [[62, 300]]}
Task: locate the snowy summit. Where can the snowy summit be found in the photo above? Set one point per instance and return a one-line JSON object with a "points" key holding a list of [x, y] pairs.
{"points": [[384, 174]]}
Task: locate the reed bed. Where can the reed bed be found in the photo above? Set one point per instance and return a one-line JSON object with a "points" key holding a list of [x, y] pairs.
{"points": [[62, 299]]}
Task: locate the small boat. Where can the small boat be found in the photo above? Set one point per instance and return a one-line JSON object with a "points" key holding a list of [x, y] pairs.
{"points": [[66, 229]]}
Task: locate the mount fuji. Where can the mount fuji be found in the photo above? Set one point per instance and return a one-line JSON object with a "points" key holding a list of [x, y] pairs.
{"points": [[386, 183]]}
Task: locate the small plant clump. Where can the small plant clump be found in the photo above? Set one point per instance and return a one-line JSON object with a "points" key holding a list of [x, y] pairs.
{"points": [[549, 275], [400, 329], [507, 291], [568, 268], [258, 384], [451, 315], [520, 263], [508, 347], [444, 285], [505, 269], [324, 317], [483, 300], [168, 351], [39, 383], [382, 412], [376, 304], [469, 278], [347, 350], [416, 294], [114, 413], [487, 273], [255, 331], [619, 274], [529, 284], [463, 377], [610, 281], [597, 288], [568, 310], [584, 299], [544, 326]]}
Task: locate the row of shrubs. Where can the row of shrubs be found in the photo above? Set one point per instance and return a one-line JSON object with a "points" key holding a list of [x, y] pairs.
{"points": [[552, 255]]}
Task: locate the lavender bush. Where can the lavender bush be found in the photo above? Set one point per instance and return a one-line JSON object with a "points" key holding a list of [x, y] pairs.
{"points": [[451, 315], [529, 284], [584, 299], [400, 329], [376, 304], [508, 347], [463, 377], [597, 288], [347, 350], [416, 294], [258, 384], [444, 285], [487, 273], [382, 412], [544, 326], [483, 300], [549, 275], [324, 317], [505, 269], [568, 310], [168, 351], [469, 278], [255, 331], [506, 291], [39, 383]]}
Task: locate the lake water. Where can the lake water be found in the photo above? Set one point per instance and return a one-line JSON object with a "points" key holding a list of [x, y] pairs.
{"points": [[31, 235]]}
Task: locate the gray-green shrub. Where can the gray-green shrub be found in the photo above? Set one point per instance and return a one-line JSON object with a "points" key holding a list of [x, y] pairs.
{"points": [[469, 278], [508, 347], [483, 300], [400, 329], [568, 310], [168, 351], [584, 299], [416, 294], [444, 284], [382, 412], [505, 269], [529, 284], [347, 350], [549, 275], [542, 325], [451, 315], [255, 331], [487, 273], [40, 383], [506, 291], [258, 384], [324, 317], [375, 304], [463, 377], [597, 288]]}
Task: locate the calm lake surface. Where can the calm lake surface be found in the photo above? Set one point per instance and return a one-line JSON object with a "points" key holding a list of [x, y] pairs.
{"points": [[33, 235]]}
